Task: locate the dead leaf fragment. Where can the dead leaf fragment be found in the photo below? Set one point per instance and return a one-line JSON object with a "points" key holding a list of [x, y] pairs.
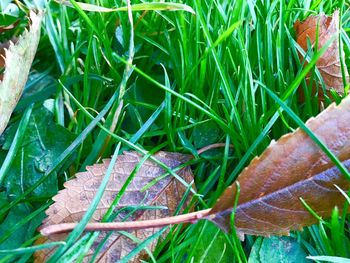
{"points": [[291, 168], [3, 46], [18, 60], [329, 64], [9, 27], [72, 202]]}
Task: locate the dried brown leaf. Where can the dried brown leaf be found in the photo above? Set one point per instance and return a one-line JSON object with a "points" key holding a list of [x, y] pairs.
{"points": [[293, 167], [329, 63], [18, 60], [72, 202]]}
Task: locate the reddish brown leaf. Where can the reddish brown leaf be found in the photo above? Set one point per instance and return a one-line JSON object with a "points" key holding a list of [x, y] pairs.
{"points": [[293, 167], [329, 64], [72, 202]]}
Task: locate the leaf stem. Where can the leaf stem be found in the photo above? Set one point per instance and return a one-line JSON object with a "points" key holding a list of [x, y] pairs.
{"points": [[130, 225], [212, 146]]}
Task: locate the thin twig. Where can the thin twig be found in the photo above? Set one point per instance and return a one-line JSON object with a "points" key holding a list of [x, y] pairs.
{"points": [[130, 225], [212, 146]]}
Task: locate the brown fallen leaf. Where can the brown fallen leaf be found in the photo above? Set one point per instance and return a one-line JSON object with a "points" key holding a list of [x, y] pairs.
{"points": [[271, 186], [18, 60], [293, 167], [72, 202], [329, 63]]}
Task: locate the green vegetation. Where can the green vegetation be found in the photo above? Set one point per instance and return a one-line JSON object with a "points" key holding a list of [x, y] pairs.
{"points": [[197, 80]]}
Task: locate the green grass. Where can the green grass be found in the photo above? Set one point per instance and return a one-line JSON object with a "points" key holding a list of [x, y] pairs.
{"points": [[232, 70]]}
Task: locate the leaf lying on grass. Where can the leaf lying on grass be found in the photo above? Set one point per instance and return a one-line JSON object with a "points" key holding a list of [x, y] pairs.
{"points": [[293, 167], [72, 202], [18, 236], [271, 186], [42, 142], [320, 29], [18, 60]]}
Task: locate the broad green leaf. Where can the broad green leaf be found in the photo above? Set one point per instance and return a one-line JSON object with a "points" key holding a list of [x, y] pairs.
{"points": [[277, 250], [43, 142], [213, 246], [17, 228], [18, 235], [205, 134], [39, 87]]}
